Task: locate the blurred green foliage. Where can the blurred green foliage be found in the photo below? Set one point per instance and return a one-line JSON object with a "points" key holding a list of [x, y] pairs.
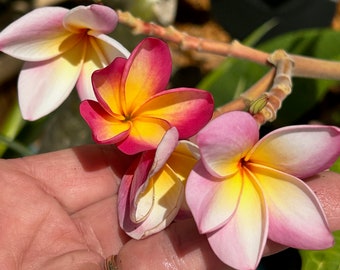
{"points": [[328, 259]]}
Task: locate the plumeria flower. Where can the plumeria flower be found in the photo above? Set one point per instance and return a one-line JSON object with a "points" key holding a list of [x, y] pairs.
{"points": [[62, 48], [134, 110], [151, 192], [245, 190]]}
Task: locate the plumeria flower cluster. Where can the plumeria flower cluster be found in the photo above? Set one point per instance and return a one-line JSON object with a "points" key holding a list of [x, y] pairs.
{"points": [[236, 185], [135, 112], [241, 189]]}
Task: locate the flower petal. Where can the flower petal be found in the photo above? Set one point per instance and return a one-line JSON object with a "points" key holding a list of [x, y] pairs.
{"points": [[164, 150], [107, 84], [301, 151], [105, 127], [40, 88], [139, 186], [29, 39], [241, 241], [132, 181], [96, 17], [145, 134], [124, 195], [296, 218], [107, 47], [147, 72], [212, 201], [186, 109], [166, 194], [183, 159], [151, 163], [225, 141], [98, 55]]}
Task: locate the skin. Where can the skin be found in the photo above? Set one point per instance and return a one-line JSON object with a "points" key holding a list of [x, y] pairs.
{"points": [[58, 211]]}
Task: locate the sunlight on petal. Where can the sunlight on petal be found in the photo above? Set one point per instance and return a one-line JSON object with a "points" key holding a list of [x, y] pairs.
{"points": [[183, 159], [164, 150], [98, 55], [106, 83], [40, 88], [165, 197], [186, 109], [96, 17], [147, 72], [224, 141], [145, 134], [105, 127], [241, 241], [296, 150], [296, 217], [30, 40], [143, 203], [141, 183], [217, 200], [107, 47], [162, 192]]}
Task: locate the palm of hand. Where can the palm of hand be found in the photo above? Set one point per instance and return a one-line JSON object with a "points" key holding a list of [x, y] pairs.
{"points": [[61, 214]]}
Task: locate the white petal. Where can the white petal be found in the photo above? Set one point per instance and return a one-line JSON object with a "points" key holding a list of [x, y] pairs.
{"points": [[43, 86], [101, 51]]}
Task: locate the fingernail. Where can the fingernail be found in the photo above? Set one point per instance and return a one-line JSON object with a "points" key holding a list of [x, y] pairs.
{"points": [[111, 263]]}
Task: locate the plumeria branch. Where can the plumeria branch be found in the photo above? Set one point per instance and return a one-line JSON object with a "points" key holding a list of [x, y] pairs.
{"points": [[304, 66], [263, 105], [282, 87], [249, 97], [188, 42]]}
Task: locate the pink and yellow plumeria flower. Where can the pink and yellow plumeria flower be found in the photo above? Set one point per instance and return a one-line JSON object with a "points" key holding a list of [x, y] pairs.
{"points": [[245, 190], [151, 192], [134, 110], [62, 48]]}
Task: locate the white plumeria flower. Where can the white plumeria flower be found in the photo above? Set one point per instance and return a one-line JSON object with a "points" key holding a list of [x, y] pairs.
{"points": [[62, 48]]}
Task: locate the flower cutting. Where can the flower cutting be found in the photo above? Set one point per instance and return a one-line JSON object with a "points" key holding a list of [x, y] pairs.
{"points": [[134, 110], [151, 193], [59, 43], [251, 190]]}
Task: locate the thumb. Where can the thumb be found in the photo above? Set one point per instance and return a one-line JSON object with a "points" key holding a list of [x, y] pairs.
{"points": [[75, 260], [180, 246]]}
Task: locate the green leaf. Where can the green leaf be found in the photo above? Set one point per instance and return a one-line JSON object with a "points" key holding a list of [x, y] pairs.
{"points": [[226, 82], [328, 259], [258, 33], [336, 166]]}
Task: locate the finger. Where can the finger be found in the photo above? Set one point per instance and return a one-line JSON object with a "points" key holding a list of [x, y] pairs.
{"points": [[75, 260], [326, 186], [180, 246], [99, 227], [76, 177]]}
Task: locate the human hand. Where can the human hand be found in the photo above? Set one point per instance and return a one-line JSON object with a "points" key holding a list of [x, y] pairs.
{"points": [[59, 211]]}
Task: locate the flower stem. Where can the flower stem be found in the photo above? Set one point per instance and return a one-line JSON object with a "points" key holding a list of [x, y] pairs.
{"points": [[11, 125]]}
